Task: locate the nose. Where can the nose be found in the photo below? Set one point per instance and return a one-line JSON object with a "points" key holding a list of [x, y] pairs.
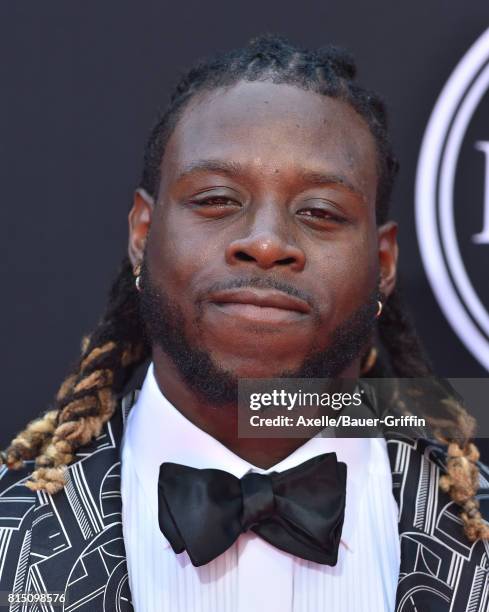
{"points": [[266, 247]]}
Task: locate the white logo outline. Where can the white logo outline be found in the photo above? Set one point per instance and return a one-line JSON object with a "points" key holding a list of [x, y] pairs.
{"points": [[434, 199]]}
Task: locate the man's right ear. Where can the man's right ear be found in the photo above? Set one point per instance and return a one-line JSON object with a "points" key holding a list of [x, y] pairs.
{"points": [[139, 224]]}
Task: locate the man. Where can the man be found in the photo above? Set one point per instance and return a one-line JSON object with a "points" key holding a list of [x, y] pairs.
{"points": [[259, 247]]}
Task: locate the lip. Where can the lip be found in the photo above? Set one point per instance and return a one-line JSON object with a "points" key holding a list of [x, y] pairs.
{"points": [[261, 298]]}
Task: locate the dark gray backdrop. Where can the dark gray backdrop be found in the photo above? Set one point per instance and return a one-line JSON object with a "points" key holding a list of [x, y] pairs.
{"points": [[80, 85]]}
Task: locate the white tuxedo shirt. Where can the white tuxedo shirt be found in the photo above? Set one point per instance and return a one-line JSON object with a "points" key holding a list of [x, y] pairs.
{"points": [[252, 575]]}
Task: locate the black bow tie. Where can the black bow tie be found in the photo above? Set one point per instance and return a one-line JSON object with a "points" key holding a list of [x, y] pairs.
{"points": [[300, 510]]}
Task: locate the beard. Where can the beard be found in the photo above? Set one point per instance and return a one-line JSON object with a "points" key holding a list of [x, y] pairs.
{"points": [[165, 328]]}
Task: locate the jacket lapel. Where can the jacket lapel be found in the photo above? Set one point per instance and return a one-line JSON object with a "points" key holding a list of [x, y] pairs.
{"points": [[440, 569], [77, 542]]}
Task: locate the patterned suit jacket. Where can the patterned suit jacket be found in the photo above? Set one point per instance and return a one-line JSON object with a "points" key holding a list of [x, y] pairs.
{"points": [[72, 542]]}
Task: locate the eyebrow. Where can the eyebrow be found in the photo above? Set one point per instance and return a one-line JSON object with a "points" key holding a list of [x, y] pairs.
{"points": [[330, 178], [234, 169], [231, 169]]}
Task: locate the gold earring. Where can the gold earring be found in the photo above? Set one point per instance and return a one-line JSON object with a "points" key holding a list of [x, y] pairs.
{"points": [[379, 309], [137, 274]]}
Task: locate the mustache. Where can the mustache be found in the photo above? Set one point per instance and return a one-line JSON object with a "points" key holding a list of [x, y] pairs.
{"points": [[257, 282]]}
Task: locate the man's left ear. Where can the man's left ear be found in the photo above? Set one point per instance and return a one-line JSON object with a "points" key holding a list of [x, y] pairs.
{"points": [[388, 253], [139, 224]]}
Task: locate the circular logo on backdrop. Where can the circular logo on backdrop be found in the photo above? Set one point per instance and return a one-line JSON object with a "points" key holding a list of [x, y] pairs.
{"points": [[452, 200]]}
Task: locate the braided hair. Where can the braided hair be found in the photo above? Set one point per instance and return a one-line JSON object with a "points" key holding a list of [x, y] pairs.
{"points": [[88, 396]]}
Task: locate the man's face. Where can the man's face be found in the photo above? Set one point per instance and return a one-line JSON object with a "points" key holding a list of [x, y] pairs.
{"points": [[263, 251]]}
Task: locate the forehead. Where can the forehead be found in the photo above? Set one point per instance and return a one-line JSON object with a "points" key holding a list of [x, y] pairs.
{"points": [[274, 128]]}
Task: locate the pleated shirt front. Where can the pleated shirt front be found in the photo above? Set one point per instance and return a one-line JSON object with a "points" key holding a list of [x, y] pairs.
{"points": [[252, 575]]}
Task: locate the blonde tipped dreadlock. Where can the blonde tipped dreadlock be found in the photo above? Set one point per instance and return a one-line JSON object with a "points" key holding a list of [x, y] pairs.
{"points": [[87, 398], [462, 482], [449, 421]]}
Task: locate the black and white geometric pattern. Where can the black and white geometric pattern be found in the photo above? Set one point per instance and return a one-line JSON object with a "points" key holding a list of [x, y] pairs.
{"points": [[72, 542], [440, 569]]}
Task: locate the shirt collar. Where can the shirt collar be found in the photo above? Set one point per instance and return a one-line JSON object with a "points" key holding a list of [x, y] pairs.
{"points": [[156, 432]]}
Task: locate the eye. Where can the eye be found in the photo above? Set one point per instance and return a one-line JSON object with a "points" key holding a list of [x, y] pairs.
{"points": [[216, 202], [214, 206], [321, 216]]}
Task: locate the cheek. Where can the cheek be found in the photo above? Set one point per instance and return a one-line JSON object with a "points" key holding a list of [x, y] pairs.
{"points": [[347, 274], [175, 257]]}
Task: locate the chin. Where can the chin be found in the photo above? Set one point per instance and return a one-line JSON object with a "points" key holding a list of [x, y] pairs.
{"points": [[269, 368]]}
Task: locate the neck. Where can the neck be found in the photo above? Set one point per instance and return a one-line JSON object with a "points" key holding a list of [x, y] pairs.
{"points": [[221, 422]]}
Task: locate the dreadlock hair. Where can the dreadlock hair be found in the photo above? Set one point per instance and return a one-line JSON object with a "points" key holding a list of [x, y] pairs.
{"points": [[88, 396]]}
